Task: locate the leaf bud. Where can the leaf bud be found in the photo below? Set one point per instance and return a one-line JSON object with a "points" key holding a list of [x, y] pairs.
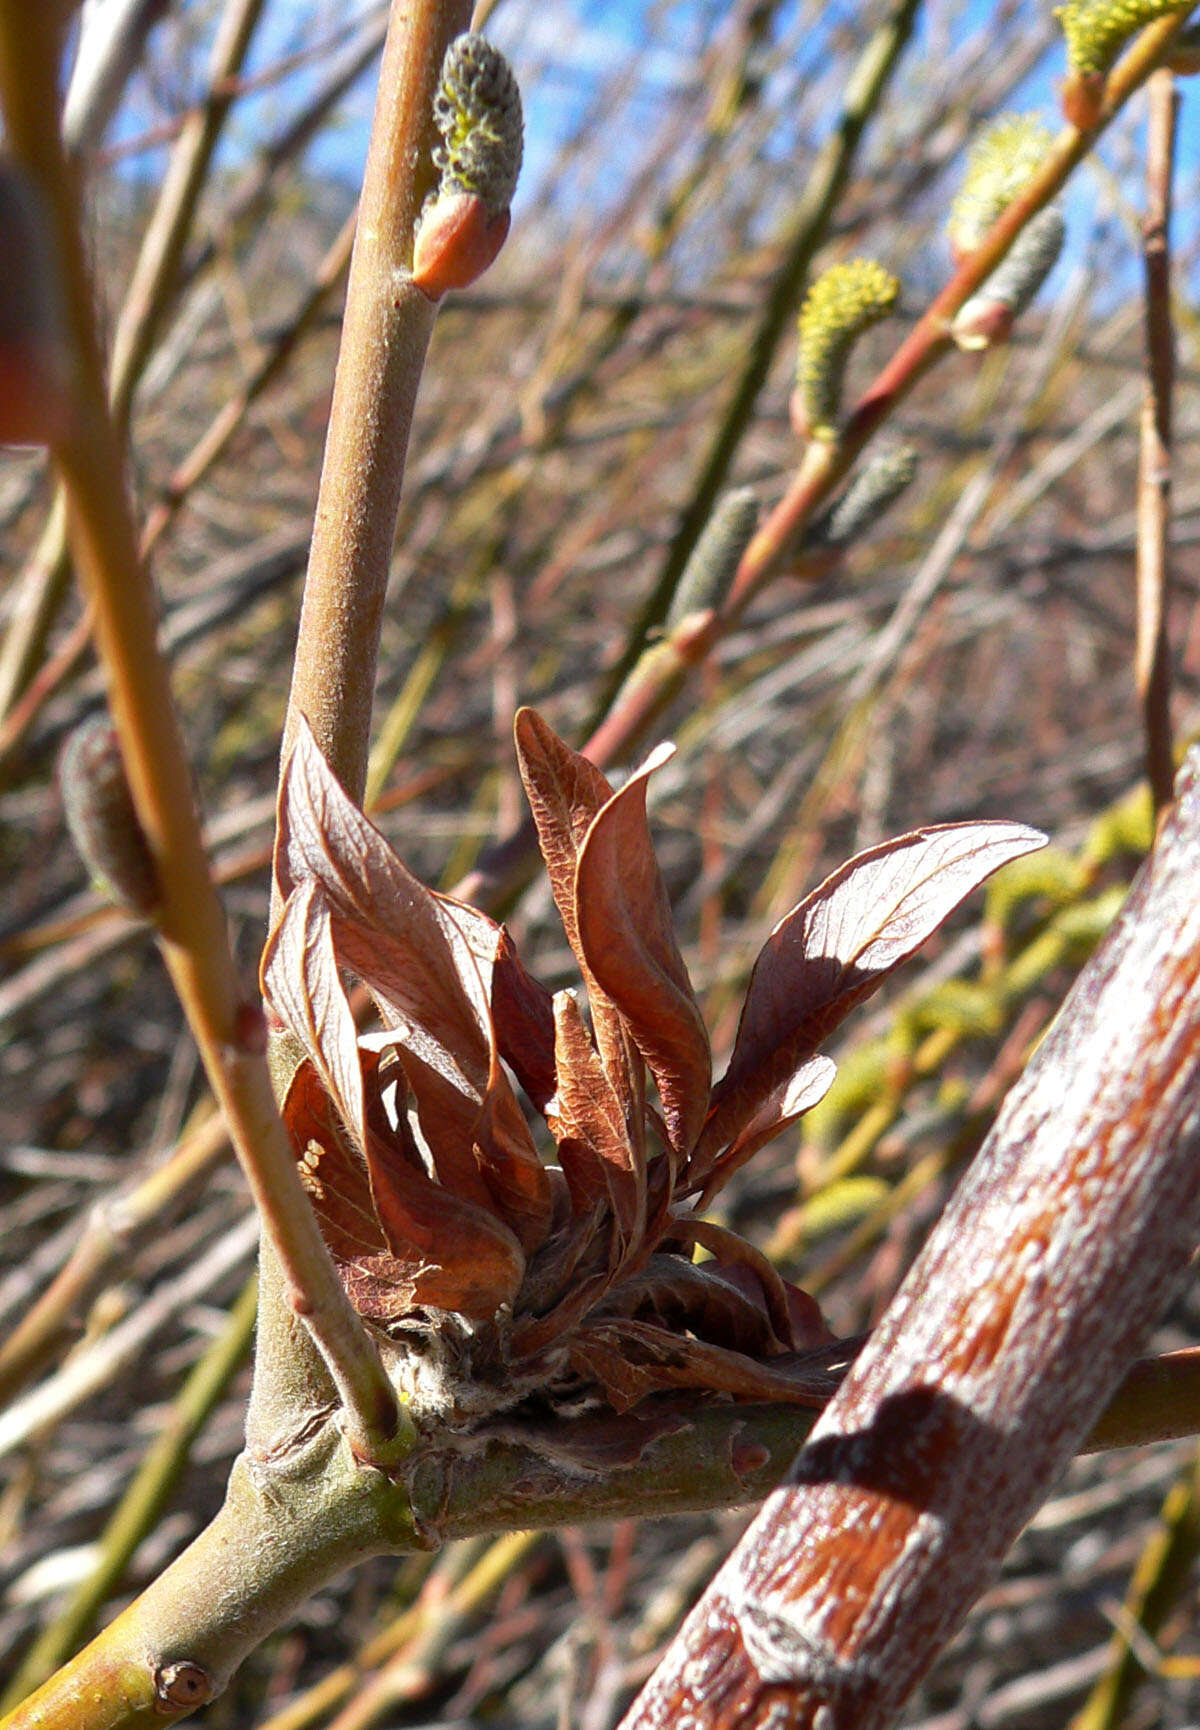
{"points": [[716, 555], [477, 110], [843, 302], [999, 167], [988, 317], [101, 818], [887, 473]]}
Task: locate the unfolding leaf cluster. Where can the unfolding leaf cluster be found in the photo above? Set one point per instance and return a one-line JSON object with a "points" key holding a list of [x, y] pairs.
{"points": [[492, 1276]]}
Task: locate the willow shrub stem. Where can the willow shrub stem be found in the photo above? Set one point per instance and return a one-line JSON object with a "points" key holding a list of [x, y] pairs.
{"points": [[827, 181], [385, 333], [1152, 664], [150, 292], [994, 1360], [190, 920], [665, 667]]}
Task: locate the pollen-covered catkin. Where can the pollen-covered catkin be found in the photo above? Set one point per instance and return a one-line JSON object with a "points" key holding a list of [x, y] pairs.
{"points": [[1001, 163], [1097, 30], [843, 302]]}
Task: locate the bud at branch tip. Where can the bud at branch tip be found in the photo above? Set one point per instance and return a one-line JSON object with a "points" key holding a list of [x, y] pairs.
{"points": [[464, 224]]}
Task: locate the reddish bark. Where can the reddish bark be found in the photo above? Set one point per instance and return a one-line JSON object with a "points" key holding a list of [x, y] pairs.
{"points": [[1032, 1296]]}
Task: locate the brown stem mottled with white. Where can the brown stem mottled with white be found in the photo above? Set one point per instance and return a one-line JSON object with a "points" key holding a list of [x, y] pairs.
{"points": [[1034, 1292]]}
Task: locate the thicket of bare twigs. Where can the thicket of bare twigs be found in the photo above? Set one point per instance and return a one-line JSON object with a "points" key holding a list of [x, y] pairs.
{"points": [[969, 656]]}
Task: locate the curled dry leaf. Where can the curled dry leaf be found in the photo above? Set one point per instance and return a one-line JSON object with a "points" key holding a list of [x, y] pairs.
{"points": [[544, 1284]]}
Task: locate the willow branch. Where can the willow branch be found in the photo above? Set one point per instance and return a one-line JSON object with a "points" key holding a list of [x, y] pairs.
{"points": [[1152, 662], [385, 334], [190, 920], [826, 182], [150, 291], [1055, 1256], [666, 667]]}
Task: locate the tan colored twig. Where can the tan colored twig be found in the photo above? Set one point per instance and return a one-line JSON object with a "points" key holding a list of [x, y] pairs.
{"points": [[665, 668], [1152, 653], [825, 184], [385, 333], [112, 1228], [46, 579], [190, 920]]}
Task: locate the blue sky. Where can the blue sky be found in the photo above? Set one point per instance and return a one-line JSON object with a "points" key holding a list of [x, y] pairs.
{"points": [[567, 49]]}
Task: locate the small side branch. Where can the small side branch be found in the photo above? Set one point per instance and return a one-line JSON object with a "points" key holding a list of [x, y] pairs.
{"points": [[1152, 661]]}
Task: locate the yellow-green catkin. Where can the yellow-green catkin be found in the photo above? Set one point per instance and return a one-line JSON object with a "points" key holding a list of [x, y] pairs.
{"points": [[714, 560], [1097, 30], [888, 472], [840, 305], [1000, 166], [477, 110]]}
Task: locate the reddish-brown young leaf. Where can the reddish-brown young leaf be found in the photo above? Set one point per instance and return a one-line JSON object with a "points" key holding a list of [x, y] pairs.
{"points": [[565, 794], [523, 1016], [633, 1359], [480, 1146], [437, 1248], [457, 1256], [685, 1297], [787, 1105], [588, 1123], [398, 1239], [626, 932], [447, 1109], [397, 935], [795, 1316], [837, 947], [512, 1168], [334, 1173], [301, 983]]}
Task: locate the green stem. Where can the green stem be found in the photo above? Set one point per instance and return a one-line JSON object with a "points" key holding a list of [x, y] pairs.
{"points": [[281, 1534], [825, 185], [146, 1496]]}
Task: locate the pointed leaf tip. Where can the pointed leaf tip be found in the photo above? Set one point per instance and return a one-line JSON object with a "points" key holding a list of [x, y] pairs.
{"points": [[627, 936]]}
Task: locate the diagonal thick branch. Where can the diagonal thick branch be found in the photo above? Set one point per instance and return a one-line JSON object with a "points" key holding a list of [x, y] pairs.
{"points": [[1033, 1294]]}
